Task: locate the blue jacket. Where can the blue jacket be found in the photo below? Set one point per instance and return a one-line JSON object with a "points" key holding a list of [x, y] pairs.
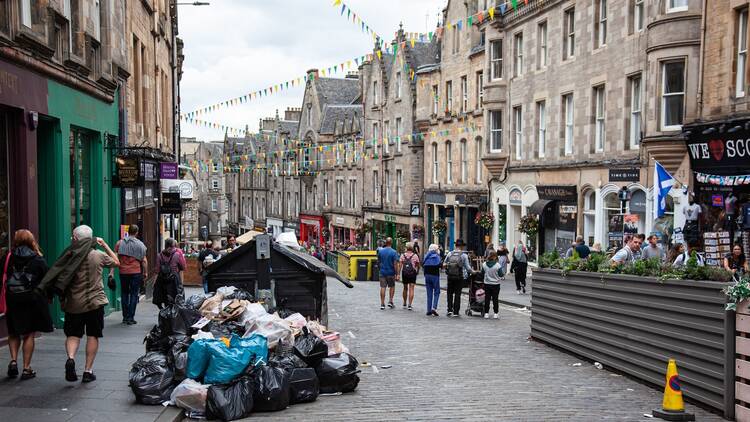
{"points": [[431, 263]]}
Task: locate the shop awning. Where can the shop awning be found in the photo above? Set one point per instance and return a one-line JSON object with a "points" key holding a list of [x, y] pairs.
{"points": [[538, 207]]}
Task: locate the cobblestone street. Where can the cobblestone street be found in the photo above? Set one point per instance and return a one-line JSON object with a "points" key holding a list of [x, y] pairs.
{"points": [[465, 368]]}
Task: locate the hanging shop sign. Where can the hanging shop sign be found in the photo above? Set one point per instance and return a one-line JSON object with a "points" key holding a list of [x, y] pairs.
{"points": [[415, 210], [186, 188], [632, 174], [171, 203], [168, 171], [563, 193], [723, 148], [718, 180], [638, 202], [128, 173]]}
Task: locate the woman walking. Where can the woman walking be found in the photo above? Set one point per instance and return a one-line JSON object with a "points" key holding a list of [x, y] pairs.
{"points": [[492, 274], [502, 259], [519, 266], [168, 283], [431, 264], [27, 312], [409, 270], [735, 261]]}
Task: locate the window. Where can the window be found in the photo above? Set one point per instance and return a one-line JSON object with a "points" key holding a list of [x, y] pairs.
{"points": [[599, 130], [448, 163], [635, 111], [399, 186], [478, 157], [296, 202], [398, 84], [325, 193], [435, 163], [638, 15], [309, 114], [464, 161], [214, 184], [375, 137], [541, 119], [518, 128], [214, 205], [435, 99], [81, 180], [338, 152], [480, 91], [352, 194], [569, 40], [496, 131], [541, 47], [741, 54], [375, 101], [386, 137], [26, 13], [288, 204], [567, 101], [677, 5], [518, 50], [215, 167], [464, 95], [673, 94], [387, 187], [398, 134], [456, 39], [600, 25], [375, 185], [448, 97], [496, 59], [340, 193], [315, 197]]}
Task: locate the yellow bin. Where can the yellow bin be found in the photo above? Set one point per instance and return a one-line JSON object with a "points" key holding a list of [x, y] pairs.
{"points": [[351, 261]]}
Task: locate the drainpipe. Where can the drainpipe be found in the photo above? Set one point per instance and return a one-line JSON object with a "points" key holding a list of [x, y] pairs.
{"points": [[701, 60]]}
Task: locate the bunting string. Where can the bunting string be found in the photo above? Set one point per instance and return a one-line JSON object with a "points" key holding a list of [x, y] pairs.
{"points": [[355, 19]]}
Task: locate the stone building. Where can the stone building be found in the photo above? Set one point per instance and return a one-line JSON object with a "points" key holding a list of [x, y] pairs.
{"points": [[239, 159], [189, 218], [393, 158], [580, 99], [283, 178], [449, 113], [207, 163]]}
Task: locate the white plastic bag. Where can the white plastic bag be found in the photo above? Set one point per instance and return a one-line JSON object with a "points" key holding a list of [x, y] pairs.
{"points": [[252, 312], [226, 290], [202, 334], [273, 328], [297, 320], [333, 341], [191, 396]]}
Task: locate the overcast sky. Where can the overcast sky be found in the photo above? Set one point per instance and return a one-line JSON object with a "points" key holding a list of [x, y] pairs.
{"points": [[234, 47]]}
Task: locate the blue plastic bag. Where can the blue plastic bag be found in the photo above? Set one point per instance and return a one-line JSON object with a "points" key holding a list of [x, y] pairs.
{"points": [[198, 358], [256, 343], [227, 363]]}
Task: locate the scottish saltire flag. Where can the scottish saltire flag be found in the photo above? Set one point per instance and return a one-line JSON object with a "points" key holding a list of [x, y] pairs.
{"points": [[663, 182]]}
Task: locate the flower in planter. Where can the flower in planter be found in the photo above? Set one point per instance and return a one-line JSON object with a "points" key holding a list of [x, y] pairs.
{"points": [[439, 228], [529, 225], [485, 220], [737, 292], [417, 231]]}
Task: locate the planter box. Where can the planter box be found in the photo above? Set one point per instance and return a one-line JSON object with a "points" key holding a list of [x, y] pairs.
{"points": [[192, 275], [742, 362], [635, 324]]}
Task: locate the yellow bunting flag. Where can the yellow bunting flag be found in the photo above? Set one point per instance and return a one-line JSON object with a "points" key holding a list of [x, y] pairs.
{"points": [[491, 11]]}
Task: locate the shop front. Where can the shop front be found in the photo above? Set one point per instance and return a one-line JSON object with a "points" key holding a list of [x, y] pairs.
{"points": [[342, 231], [557, 210], [293, 227], [720, 162], [311, 229]]}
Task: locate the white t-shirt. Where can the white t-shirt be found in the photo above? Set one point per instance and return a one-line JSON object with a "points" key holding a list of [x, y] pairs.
{"points": [[692, 212]]}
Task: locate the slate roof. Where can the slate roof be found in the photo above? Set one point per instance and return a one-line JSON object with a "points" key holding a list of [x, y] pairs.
{"points": [[289, 126], [337, 90], [335, 113], [425, 53]]}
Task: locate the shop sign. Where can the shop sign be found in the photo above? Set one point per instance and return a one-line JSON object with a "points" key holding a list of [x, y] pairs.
{"points": [[563, 193], [638, 202], [186, 188], [149, 171], [566, 217], [720, 153], [168, 170], [171, 203], [515, 197], [415, 210], [339, 221], [128, 173], [434, 197], [471, 199], [625, 175], [389, 218]]}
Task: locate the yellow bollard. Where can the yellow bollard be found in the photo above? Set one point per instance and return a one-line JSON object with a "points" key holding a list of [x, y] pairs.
{"points": [[673, 407]]}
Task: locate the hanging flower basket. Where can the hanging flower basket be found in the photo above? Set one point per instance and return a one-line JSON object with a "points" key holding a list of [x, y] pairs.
{"points": [[363, 229], [529, 225], [439, 228], [417, 231], [484, 220]]}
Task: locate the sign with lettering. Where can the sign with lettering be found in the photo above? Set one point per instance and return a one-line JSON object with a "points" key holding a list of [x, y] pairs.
{"points": [[168, 170], [564, 193], [389, 218], [171, 203], [719, 152], [625, 175], [128, 173]]}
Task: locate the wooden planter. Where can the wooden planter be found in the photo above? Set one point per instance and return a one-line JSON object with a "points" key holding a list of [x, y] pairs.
{"points": [[192, 274], [636, 324]]}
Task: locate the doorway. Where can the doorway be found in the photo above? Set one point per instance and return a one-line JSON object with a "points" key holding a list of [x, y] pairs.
{"points": [[5, 179]]}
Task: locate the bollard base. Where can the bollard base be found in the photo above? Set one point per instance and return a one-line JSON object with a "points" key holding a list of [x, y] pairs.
{"points": [[668, 415]]}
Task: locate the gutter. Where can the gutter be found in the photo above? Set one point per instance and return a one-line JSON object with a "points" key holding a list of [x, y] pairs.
{"points": [[701, 60]]}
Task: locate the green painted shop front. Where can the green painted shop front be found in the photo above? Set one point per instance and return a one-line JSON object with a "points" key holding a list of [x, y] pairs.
{"points": [[75, 162]]}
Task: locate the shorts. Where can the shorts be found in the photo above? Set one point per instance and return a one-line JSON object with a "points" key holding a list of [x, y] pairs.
{"points": [[92, 322], [387, 281], [408, 280]]}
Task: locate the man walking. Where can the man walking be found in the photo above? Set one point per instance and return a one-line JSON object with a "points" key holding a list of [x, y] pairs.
{"points": [[653, 250], [458, 268], [77, 277], [133, 271], [627, 255], [211, 251], [389, 272]]}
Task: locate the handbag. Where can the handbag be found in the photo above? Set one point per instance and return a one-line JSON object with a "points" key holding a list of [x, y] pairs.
{"points": [[111, 283], [3, 308]]}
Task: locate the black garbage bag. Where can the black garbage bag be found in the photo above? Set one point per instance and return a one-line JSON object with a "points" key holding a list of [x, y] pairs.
{"points": [[240, 294], [177, 319], [195, 301], [235, 327], [338, 373], [310, 348], [178, 355], [282, 310], [303, 385], [152, 378], [156, 340], [271, 391], [286, 361], [232, 401], [218, 329]]}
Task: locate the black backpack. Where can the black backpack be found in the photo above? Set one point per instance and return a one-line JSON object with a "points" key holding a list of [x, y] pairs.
{"points": [[166, 275], [19, 282], [409, 270], [454, 265]]}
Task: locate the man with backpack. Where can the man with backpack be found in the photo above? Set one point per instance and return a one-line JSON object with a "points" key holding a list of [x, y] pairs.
{"points": [[458, 268], [133, 271], [409, 270], [389, 272], [168, 284]]}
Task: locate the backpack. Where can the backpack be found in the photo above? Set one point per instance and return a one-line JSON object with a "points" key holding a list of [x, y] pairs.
{"points": [[19, 283], [454, 265], [409, 270], [166, 274]]}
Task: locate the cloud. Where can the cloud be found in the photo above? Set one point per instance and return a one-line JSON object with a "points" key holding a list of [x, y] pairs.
{"points": [[234, 47]]}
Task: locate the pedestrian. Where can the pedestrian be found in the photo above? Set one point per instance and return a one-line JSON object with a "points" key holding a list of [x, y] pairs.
{"points": [[409, 269], [627, 255], [596, 248], [77, 277], [735, 261], [416, 247], [581, 249], [492, 274], [676, 250], [488, 250], [209, 250], [653, 250], [168, 283], [519, 266], [571, 249], [26, 311], [389, 272], [458, 268], [133, 270], [431, 264], [638, 255], [502, 259], [682, 259], [231, 243]]}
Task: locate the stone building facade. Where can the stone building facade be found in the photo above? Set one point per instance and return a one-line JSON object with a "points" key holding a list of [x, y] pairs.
{"points": [[284, 180], [449, 113], [207, 162], [581, 98]]}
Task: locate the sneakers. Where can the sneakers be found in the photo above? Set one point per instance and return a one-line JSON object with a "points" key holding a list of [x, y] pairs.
{"points": [[410, 308], [88, 376], [524, 290], [390, 305], [518, 292], [12, 369], [382, 307], [495, 317], [449, 314], [70, 370], [487, 316], [456, 315], [404, 306], [434, 312]]}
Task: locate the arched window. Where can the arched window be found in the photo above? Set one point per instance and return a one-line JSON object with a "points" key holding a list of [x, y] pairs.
{"points": [[589, 216]]}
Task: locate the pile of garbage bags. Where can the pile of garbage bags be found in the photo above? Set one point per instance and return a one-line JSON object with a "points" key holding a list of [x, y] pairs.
{"points": [[224, 356]]}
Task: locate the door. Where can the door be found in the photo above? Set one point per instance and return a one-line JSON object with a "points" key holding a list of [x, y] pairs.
{"points": [[5, 237], [80, 179]]}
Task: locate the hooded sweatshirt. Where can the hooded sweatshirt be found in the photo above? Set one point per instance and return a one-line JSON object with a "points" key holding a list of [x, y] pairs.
{"points": [[491, 272], [431, 263]]}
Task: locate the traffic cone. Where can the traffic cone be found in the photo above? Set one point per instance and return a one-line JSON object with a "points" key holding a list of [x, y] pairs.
{"points": [[673, 408]]}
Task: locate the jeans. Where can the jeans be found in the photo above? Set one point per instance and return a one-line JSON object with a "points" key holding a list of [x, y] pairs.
{"points": [[520, 272], [432, 283], [491, 291], [455, 286], [205, 285], [131, 289]]}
